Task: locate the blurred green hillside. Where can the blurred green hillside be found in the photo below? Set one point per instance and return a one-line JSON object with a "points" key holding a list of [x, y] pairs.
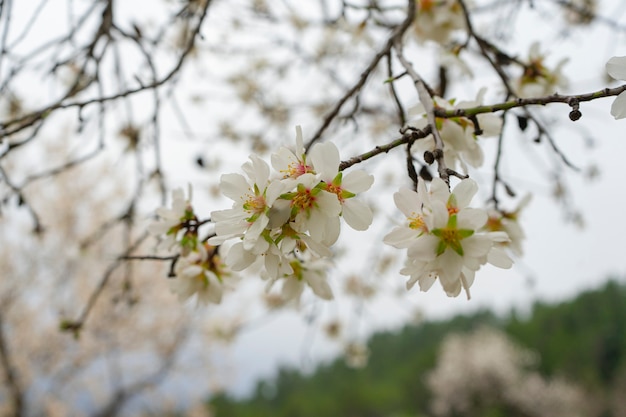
{"points": [[582, 341]]}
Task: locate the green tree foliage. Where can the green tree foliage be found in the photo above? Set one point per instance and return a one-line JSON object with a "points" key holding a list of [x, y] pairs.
{"points": [[582, 339]]}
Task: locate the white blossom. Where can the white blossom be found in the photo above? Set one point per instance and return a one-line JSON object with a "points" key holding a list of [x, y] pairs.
{"points": [[437, 19], [252, 199], [508, 222], [537, 80], [288, 164], [443, 237], [170, 224], [295, 209], [459, 134], [200, 273], [306, 271]]}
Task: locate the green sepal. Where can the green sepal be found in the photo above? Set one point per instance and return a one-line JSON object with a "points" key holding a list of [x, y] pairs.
{"points": [[452, 202], [441, 247], [451, 222], [253, 218], [456, 246]]}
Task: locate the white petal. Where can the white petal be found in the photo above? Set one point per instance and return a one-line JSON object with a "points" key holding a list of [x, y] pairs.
{"points": [[239, 259], [439, 190], [318, 248], [299, 142], [616, 67], [231, 228], [471, 218], [328, 204], [427, 281], [317, 282], [191, 271], [325, 159], [357, 214], [357, 181], [450, 268], [273, 191], [258, 171], [292, 289], [618, 108], [452, 289], [439, 218], [333, 227], [281, 160], [279, 214], [465, 191], [424, 248], [499, 258], [476, 246], [408, 201], [233, 186], [272, 265], [400, 237]]}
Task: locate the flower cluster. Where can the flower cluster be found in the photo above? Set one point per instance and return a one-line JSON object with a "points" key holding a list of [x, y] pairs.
{"points": [[537, 80], [199, 269], [459, 134], [444, 237], [288, 220]]}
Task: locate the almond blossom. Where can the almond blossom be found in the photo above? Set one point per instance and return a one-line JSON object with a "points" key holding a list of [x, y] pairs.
{"points": [[444, 239], [296, 209], [288, 164], [310, 273], [200, 273], [437, 19], [252, 199], [508, 222], [175, 226], [537, 79], [459, 134]]}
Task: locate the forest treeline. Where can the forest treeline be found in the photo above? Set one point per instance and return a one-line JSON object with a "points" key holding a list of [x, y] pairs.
{"points": [[582, 340]]}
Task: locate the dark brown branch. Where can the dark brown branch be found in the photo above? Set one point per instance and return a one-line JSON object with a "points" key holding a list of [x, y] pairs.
{"points": [[396, 34], [408, 136], [524, 102], [76, 326], [16, 125]]}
